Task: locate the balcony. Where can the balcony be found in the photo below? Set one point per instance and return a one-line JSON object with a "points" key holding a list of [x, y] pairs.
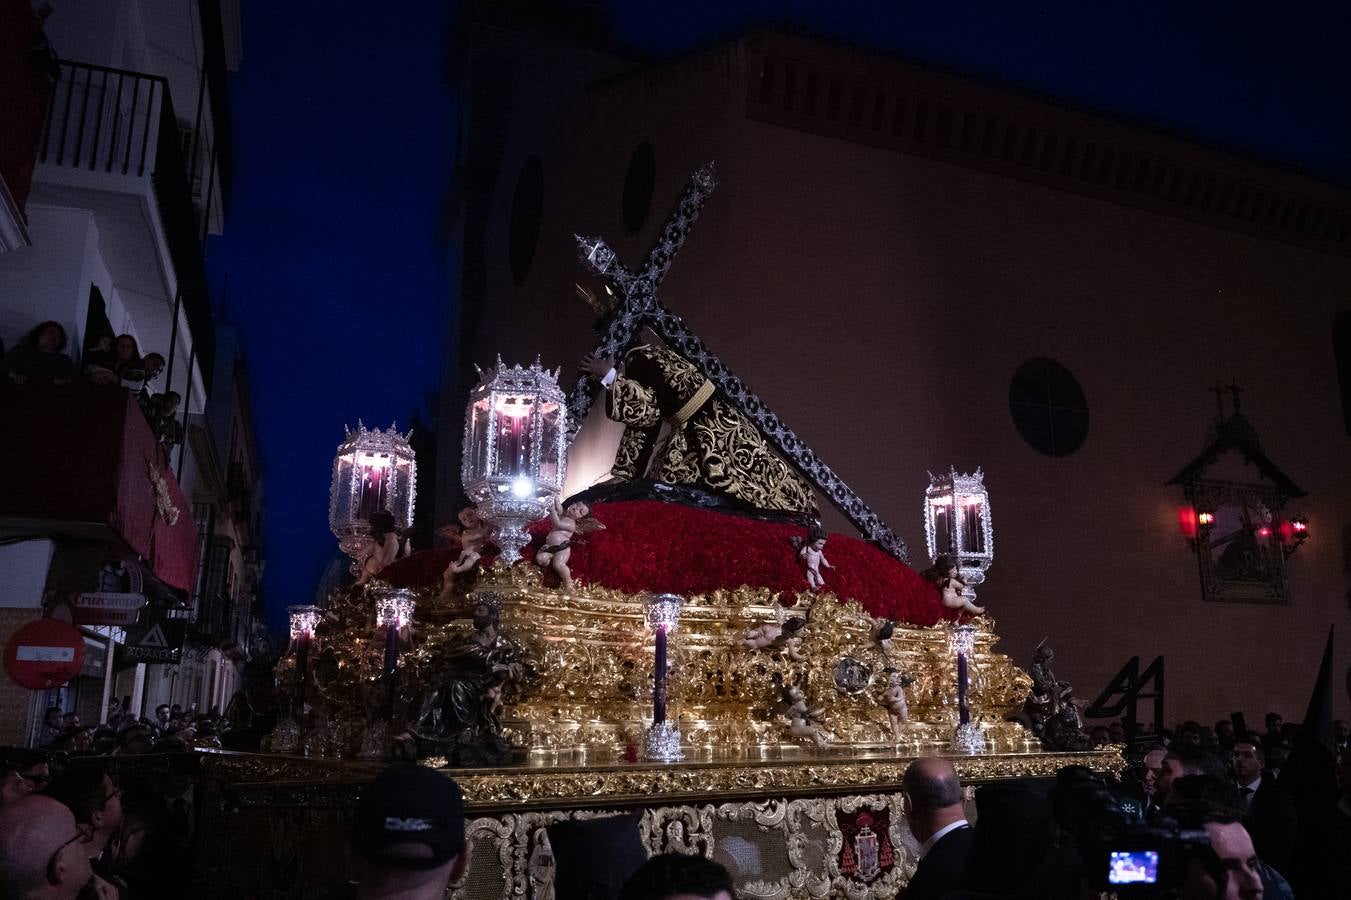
{"points": [[80, 462], [115, 130]]}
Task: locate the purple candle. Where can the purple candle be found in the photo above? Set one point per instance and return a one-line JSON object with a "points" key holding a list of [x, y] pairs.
{"points": [[391, 648], [302, 669], [659, 679], [963, 710]]}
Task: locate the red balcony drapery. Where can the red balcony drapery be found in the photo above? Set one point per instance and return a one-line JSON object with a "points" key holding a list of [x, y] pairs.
{"points": [[82, 454]]}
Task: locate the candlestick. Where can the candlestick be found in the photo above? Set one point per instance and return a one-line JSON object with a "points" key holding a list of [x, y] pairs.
{"points": [[659, 681], [394, 611], [968, 737], [661, 612], [963, 711], [304, 619]]}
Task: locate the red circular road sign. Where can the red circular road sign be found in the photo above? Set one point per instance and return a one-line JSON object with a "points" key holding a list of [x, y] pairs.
{"points": [[45, 653]]}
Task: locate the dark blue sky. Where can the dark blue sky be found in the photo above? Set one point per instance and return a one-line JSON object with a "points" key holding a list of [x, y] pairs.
{"points": [[344, 129]]}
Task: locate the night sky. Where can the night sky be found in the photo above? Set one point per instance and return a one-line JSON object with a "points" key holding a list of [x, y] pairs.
{"points": [[345, 134]]}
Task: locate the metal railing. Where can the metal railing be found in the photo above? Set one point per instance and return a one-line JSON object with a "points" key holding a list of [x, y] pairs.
{"points": [[104, 119], [120, 122]]}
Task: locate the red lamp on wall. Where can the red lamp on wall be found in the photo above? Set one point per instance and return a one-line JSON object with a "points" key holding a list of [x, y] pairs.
{"points": [[1294, 532], [1194, 524]]}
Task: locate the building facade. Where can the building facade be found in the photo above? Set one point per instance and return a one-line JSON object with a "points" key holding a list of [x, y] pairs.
{"points": [[131, 169], [916, 270]]}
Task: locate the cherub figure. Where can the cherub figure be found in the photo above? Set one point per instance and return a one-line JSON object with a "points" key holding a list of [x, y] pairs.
{"points": [[473, 537], [884, 633], [802, 722], [944, 574], [785, 632], [568, 527], [894, 700], [812, 553], [386, 545]]}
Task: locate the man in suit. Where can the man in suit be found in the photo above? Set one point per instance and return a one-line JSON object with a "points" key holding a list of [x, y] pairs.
{"points": [[932, 800], [1270, 810]]}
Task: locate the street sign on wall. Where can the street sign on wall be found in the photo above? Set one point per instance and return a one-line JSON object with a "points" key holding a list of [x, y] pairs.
{"points": [[156, 641], [45, 653], [107, 608]]}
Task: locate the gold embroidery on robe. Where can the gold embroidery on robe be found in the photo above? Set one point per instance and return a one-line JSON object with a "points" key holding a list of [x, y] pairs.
{"points": [[716, 447]]}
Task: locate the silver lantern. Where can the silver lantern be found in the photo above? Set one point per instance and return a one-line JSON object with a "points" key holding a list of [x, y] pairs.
{"points": [[373, 470], [957, 524], [515, 451]]}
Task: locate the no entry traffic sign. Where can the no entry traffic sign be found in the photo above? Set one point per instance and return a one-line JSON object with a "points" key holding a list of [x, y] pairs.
{"points": [[45, 653]]}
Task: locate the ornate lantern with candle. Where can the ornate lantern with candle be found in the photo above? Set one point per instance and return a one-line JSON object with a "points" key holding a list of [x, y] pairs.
{"points": [[515, 452], [373, 470], [661, 612], [957, 524], [393, 612], [304, 620]]}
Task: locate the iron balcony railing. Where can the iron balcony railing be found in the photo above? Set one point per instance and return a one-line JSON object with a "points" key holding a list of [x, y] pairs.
{"points": [[122, 123], [104, 119]]}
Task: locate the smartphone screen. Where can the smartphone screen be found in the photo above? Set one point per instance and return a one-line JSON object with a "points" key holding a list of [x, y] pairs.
{"points": [[1133, 867]]}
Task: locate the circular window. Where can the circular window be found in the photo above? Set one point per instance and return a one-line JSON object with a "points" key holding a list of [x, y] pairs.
{"points": [[526, 207], [638, 184], [1048, 407]]}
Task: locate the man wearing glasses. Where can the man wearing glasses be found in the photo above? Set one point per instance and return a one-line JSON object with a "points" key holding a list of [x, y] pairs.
{"points": [[44, 855], [94, 800], [23, 772]]}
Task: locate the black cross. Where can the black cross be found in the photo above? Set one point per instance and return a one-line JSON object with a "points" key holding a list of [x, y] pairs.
{"points": [[1234, 391], [1218, 391], [637, 306]]}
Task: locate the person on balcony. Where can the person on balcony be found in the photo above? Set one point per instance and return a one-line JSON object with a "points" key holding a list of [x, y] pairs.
{"points": [[164, 422], [100, 361], [39, 358], [127, 365]]}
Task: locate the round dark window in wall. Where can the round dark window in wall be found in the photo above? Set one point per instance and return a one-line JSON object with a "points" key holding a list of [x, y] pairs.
{"points": [[638, 184], [1048, 407], [523, 229]]}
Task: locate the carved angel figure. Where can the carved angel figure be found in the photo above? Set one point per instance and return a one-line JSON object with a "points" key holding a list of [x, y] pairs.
{"points": [[385, 545], [884, 632], [944, 573], [812, 554], [784, 632], [894, 700], [568, 527], [472, 534], [802, 722]]}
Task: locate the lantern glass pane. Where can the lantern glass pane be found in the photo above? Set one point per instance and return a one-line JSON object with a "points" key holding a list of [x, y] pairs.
{"points": [[346, 488], [374, 488], [973, 530], [401, 476], [477, 450], [550, 443], [513, 436], [944, 540]]}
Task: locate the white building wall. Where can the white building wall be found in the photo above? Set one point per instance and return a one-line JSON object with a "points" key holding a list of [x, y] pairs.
{"points": [[23, 573], [51, 278]]}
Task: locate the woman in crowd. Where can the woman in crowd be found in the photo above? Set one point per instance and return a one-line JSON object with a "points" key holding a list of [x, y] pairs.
{"points": [[100, 362], [39, 358], [127, 363]]}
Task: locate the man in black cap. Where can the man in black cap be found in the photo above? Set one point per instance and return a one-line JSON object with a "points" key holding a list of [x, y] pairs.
{"points": [[408, 836]]}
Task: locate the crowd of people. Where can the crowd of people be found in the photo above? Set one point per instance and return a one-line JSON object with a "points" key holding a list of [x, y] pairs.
{"points": [[1212, 805], [173, 730], [41, 358], [1228, 813], [69, 828]]}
